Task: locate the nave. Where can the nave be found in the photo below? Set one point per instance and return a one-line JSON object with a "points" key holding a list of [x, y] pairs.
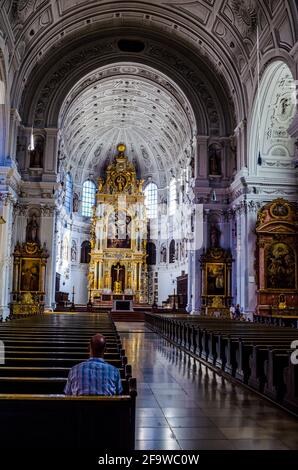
{"points": [[182, 405]]}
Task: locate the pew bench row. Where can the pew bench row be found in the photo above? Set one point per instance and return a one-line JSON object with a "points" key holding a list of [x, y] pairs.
{"points": [[258, 356], [39, 353]]}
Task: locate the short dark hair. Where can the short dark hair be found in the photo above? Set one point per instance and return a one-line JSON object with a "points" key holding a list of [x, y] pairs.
{"points": [[97, 344]]}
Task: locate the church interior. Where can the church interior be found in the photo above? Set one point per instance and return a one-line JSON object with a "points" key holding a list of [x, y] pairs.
{"points": [[149, 192]]}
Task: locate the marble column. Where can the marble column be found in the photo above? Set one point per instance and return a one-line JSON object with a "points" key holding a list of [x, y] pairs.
{"points": [[201, 160], [50, 155], [241, 140], [197, 251], [241, 258], [48, 236], [246, 214], [6, 265], [15, 120], [189, 281], [251, 303]]}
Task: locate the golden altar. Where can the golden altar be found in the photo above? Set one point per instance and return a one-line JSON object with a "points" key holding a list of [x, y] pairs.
{"points": [[28, 290], [216, 282], [118, 268]]}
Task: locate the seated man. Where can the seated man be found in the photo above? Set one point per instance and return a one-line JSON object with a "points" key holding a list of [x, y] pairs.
{"points": [[94, 376]]}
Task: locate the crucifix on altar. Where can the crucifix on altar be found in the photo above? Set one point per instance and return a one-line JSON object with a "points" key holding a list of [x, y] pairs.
{"points": [[118, 276]]}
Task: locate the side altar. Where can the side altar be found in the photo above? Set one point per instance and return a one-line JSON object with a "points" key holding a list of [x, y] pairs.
{"points": [[276, 259], [118, 269], [28, 290]]}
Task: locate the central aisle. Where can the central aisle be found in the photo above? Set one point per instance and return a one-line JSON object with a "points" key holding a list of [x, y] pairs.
{"points": [[181, 405]]}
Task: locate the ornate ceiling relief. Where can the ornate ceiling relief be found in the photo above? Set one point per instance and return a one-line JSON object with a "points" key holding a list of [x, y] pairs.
{"points": [[279, 113], [246, 15], [271, 117], [199, 10], [23, 10], [176, 63], [132, 104], [220, 29]]}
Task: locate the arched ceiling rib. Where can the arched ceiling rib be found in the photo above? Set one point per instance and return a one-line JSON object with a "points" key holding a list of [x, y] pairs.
{"points": [[156, 124], [222, 30]]}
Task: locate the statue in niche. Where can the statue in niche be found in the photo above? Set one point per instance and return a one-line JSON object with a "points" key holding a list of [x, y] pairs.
{"points": [[100, 184], [73, 251], [163, 254], [75, 203], [120, 182], [36, 155], [182, 249], [214, 237], [91, 279], [214, 159], [192, 167], [32, 230], [65, 249]]}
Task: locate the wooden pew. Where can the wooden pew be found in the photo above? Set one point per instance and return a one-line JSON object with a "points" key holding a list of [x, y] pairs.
{"points": [[243, 350], [47, 385], [39, 354], [57, 421], [291, 381]]}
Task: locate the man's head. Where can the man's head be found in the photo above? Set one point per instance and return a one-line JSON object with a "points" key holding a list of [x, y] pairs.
{"points": [[97, 345]]}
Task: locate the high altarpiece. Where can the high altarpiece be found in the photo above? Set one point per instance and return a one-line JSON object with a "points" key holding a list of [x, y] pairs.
{"points": [[118, 269]]}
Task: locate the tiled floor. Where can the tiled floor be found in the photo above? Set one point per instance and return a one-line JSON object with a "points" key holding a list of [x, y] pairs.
{"points": [[182, 405]]}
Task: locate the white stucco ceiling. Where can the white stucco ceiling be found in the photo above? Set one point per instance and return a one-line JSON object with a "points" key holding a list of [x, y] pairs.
{"points": [[132, 104]]}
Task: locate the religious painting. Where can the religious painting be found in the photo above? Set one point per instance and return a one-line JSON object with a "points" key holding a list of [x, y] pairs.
{"points": [[119, 230], [276, 258], [30, 270], [215, 278], [281, 267], [279, 209]]}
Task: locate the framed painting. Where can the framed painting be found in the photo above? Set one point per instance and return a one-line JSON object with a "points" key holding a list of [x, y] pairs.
{"points": [[30, 275], [216, 278]]}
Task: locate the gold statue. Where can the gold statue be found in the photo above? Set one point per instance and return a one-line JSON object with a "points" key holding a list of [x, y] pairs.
{"points": [[106, 280], [91, 279], [141, 182], [282, 302], [117, 287], [100, 184], [129, 280], [120, 182]]}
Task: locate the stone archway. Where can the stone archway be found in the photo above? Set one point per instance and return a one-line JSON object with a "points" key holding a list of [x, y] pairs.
{"points": [[3, 112], [271, 149]]}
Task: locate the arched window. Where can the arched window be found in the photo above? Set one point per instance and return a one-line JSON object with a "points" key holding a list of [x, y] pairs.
{"points": [[88, 198], [172, 197], [151, 200], [172, 252], [85, 252], [68, 193], [151, 253]]}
